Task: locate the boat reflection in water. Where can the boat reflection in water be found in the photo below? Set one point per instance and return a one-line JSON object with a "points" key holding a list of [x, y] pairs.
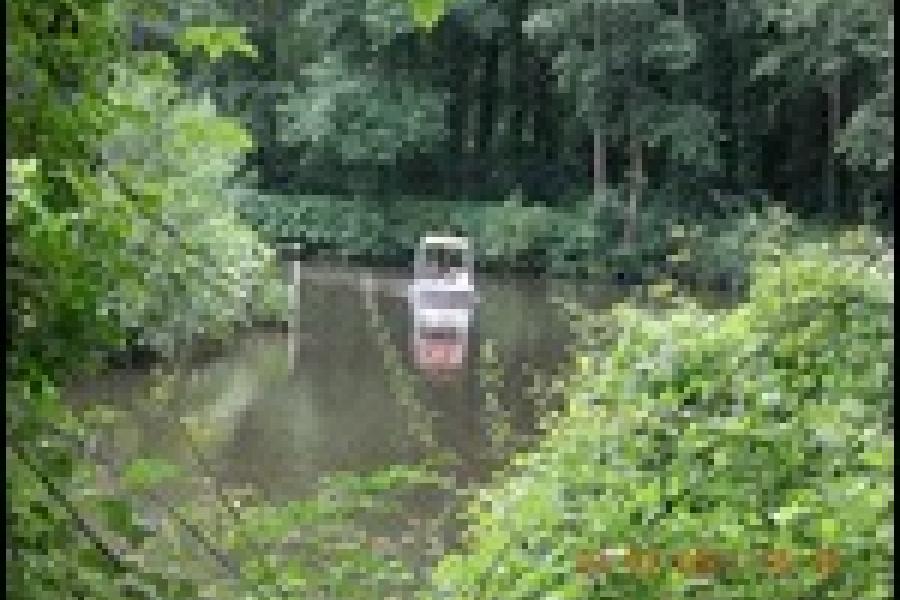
{"points": [[442, 299], [440, 347]]}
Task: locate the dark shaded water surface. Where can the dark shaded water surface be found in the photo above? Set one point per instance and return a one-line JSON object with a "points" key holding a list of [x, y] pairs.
{"points": [[340, 390]]}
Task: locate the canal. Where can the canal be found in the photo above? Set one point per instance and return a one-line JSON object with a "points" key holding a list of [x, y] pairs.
{"points": [[342, 390]]}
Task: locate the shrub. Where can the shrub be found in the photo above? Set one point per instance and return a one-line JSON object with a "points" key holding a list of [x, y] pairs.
{"points": [[759, 435]]}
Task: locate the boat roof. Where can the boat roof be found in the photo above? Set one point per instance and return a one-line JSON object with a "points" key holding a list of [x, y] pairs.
{"points": [[443, 240]]}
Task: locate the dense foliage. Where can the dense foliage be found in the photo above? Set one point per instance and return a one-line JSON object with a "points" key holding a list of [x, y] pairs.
{"points": [[155, 148], [760, 437], [691, 245], [357, 99], [117, 235]]}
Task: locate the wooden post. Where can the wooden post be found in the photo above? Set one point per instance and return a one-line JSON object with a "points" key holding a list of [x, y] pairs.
{"points": [[292, 315]]}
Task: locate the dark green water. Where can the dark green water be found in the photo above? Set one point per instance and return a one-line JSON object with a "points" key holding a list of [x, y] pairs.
{"points": [[279, 410]]}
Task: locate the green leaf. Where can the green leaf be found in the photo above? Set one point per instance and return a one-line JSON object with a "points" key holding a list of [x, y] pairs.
{"points": [[143, 473], [119, 517], [216, 41], [767, 66], [427, 12]]}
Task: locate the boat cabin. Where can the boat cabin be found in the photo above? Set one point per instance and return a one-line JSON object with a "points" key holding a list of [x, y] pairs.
{"points": [[447, 258]]}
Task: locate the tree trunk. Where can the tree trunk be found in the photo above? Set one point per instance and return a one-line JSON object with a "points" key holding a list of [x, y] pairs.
{"points": [[833, 93], [834, 125], [634, 192], [600, 180]]}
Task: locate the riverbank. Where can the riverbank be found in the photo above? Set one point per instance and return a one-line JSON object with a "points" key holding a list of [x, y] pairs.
{"points": [[738, 453], [687, 241]]}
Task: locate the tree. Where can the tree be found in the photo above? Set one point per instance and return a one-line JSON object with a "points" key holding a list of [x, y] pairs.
{"points": [[620, 62], [844, 51], [118, 233]]}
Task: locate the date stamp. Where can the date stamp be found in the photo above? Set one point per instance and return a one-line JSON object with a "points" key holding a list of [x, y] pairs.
{"points": [[705, 562]]}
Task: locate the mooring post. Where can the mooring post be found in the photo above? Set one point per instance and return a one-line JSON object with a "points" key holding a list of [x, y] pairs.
{"points": [[368, 288], [292, 315]]}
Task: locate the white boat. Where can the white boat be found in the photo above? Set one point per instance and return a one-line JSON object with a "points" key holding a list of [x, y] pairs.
{"points": [[443, 274], [442, 298]]}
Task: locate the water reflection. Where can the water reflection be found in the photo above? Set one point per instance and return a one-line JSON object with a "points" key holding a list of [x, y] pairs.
{"points": [[369, 354]]}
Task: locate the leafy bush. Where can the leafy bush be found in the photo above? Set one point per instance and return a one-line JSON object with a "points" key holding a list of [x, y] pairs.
{"points": [[575, 237], [706, 254], [506, 234], [202, 268], [147, 251], [116, 234], [759, 436], [512, 231]]}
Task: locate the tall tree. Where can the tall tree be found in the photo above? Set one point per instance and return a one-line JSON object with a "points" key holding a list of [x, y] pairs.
{"points": [[842, 51], [620, 62]]}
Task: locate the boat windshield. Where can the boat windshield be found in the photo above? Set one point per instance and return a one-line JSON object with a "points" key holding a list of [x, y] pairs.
{"points": [[443, 258]]}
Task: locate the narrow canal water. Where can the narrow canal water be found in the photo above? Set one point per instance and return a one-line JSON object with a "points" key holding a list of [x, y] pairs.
{"points": [[282, 409], [343, 390]]}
